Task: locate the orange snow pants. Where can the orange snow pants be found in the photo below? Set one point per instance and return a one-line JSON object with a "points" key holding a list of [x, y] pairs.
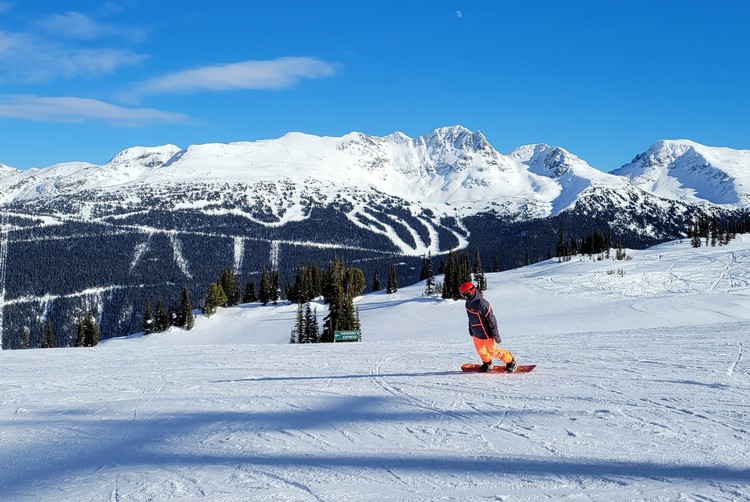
{"points": [[487, 349]]}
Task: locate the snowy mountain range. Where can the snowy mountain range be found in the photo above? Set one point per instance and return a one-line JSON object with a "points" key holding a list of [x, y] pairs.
{"points": [[450, 171], [155, 219]]}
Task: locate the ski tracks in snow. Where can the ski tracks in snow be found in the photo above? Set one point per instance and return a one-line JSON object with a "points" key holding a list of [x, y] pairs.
{"points": [[493, 422]]}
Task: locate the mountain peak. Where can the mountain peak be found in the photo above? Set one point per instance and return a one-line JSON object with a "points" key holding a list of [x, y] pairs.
{"points": [[146, 156], [688, 171], [6, 170], [458, 137]]}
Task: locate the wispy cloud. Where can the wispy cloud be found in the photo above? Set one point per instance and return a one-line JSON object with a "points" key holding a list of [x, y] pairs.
{"points": [[73, 109], [74, 25], [49, 52], [273, 74]]}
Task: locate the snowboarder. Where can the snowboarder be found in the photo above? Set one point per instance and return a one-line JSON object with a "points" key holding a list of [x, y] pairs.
{"points": [[483, 328]]}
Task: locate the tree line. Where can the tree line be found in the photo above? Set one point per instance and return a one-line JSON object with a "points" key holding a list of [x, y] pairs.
{"points": [[719, 231]]}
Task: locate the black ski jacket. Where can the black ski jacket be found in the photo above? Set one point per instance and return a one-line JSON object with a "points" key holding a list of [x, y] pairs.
{"points": [[482, 322]]}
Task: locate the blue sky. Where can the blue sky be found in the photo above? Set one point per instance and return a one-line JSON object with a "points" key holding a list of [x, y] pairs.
{"points": [[83, 80]]}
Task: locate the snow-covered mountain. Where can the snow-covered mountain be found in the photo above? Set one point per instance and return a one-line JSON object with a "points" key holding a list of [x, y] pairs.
{"points": [[451, 171], [7, 170], [154, 219], [690, 172]]}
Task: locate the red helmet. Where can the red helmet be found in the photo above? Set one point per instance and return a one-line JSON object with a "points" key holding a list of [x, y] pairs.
{"points": [[467, 289]]}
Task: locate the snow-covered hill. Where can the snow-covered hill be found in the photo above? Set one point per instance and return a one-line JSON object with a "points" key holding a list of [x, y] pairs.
{"points": [[641, 393]]}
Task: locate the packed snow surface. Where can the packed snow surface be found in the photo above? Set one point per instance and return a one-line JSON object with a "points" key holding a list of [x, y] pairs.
{"points": [[641, 393]]}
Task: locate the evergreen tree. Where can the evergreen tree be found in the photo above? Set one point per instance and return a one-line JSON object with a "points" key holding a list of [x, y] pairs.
{"points": [[81, 334], [695, 240], [26, 343], [354, 282], [339, 290], [50, 336], [185, 317], [269, 287], [479, 278], [377, 285], [91, 330], [450, 283], [426, 269], [429, 275], [561, 251], [230, 285], [296, 336], [310, 332], [161, 318], [306, 284], [335, 310], [215, 297], [392, 280], [88, 332], [250, 295], [148, 319]]}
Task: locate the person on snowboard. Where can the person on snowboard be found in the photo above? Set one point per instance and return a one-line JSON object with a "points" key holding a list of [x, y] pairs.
{"points": [[483, 329]]}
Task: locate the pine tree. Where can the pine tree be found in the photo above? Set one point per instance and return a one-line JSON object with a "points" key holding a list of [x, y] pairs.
{"points": [[215, 297], [296, 336], [340, 288], [450, 283], [148, 319], [161, 318], [426, 269], [26, 343], [354, 282], [561, 251], [429, 275], [335, 310], [50, 336], [269, 287], [392, 286], [91, 331], [185, 317], [306, 284], [88, 332], [479, 278], [310, 332], [230, 285], [249, 296], [377, 285], [81, 334]]}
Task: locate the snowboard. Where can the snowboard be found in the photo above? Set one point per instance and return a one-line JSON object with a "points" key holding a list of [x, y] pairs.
{"points": [[521, 368]]}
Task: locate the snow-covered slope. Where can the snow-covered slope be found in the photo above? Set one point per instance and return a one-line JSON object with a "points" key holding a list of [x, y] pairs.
{"points": [[641, 393], [687, 171]]}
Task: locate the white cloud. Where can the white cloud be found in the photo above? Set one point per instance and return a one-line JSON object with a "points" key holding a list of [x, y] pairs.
{"points": [[73, 109], [26, 58], [52, 50], [74, 25], [273, 74]]}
